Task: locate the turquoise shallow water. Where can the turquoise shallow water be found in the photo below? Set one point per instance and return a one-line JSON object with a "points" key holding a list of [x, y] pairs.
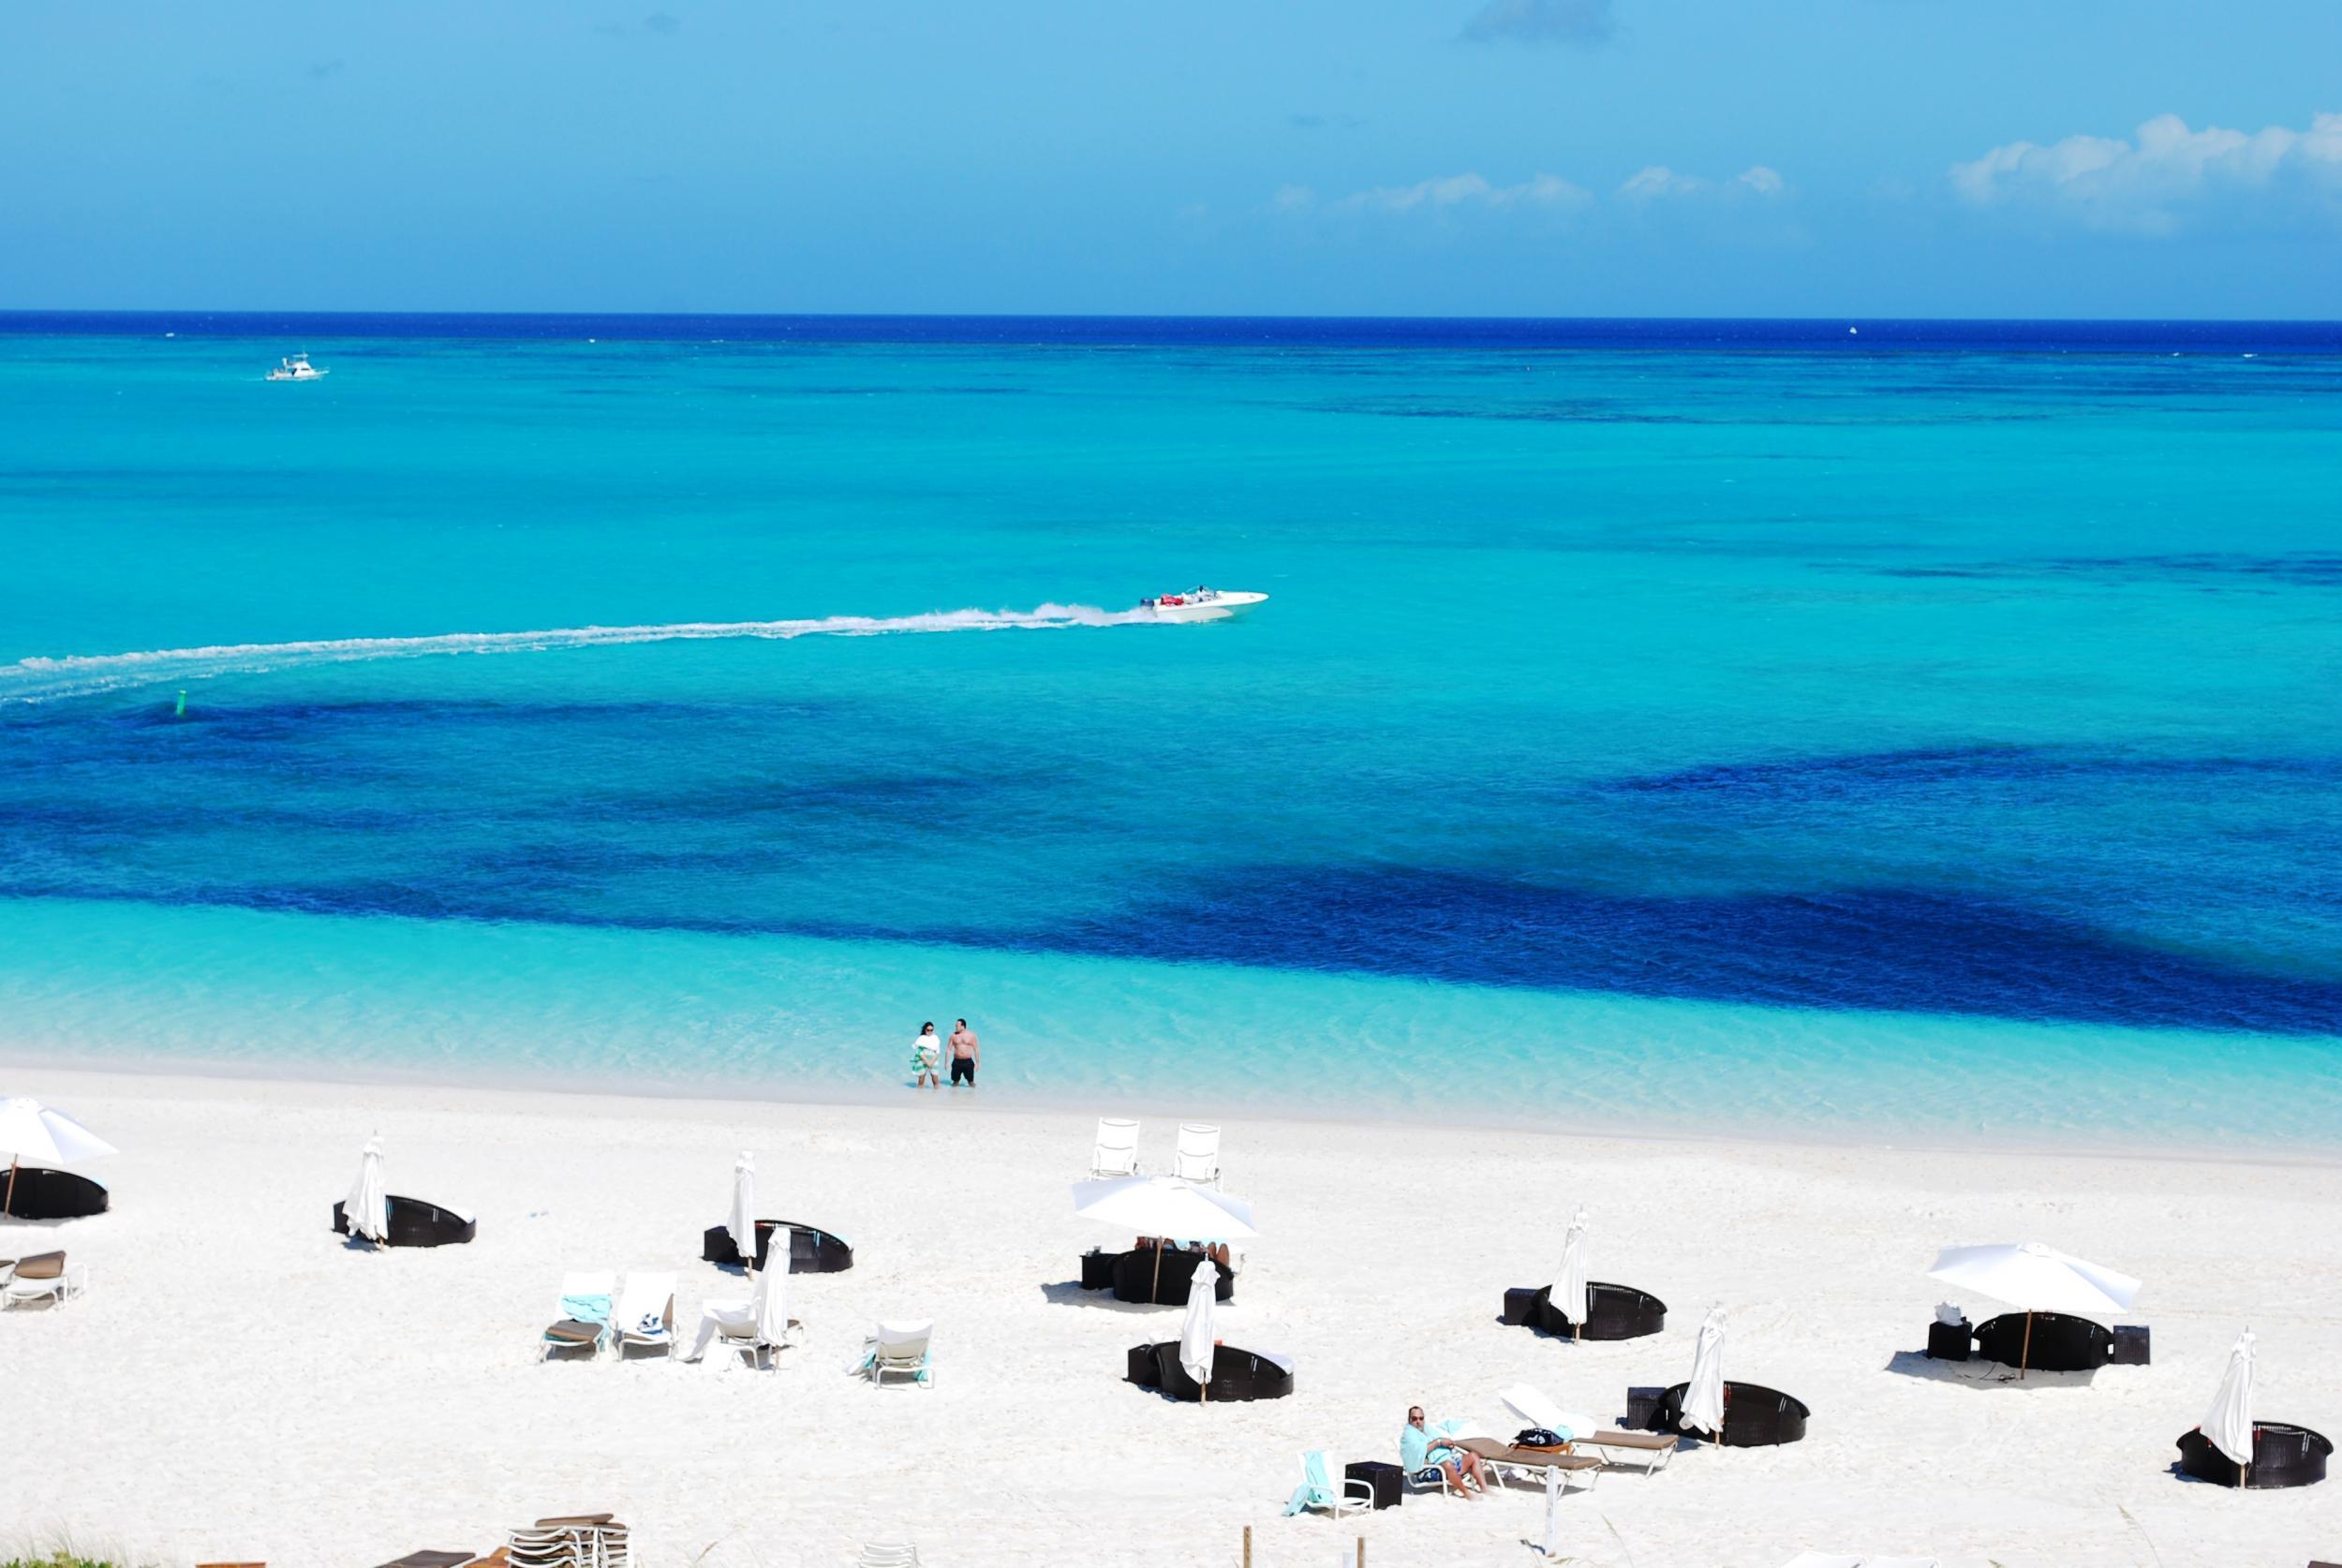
{"points": [[1935, 743]]}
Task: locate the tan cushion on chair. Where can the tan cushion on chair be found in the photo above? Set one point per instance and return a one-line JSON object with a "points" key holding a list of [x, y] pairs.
{"points": [[43, 1266], [571, 1331], [1647, 1442], [566, 1520]]}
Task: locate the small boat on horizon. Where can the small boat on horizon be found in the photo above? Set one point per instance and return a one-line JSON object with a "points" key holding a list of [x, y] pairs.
{"points": [[296, 367], [1202, 604]]}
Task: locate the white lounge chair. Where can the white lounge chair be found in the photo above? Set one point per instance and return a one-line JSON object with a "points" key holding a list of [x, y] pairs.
{"points": [[43, 1276], [1117, 1154], [1198, 1157], [1317, 1489], [744, 1327], [901, 1349], [575, 1326], [644, 1314], [888, 1556], [1651, 1450]]}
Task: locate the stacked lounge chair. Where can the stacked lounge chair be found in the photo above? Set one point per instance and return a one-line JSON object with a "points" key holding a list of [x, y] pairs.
{"points": [[570, 1541]]}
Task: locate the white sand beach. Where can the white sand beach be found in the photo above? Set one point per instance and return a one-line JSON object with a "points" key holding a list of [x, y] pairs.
{"points": [[238, 1384]]}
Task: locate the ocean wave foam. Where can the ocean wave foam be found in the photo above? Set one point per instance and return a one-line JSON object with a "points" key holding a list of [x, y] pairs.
{"points": [[38, 680]]}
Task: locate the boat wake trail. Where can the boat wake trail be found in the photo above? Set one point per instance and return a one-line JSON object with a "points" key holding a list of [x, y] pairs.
{"points": [[41, 680]]}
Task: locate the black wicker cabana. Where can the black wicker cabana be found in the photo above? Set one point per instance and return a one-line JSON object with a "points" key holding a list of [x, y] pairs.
{"points": [[1619, 1311], [416, 1223], [1236, 1374], [812, 1249], [38, 1193], [2283, 1456], [2045, 1342], [1754, 1417]]}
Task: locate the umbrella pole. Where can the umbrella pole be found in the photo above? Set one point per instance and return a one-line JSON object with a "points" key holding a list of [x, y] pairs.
{"points": [[2025, 1353], [1154, 1288], [7, 1204]]}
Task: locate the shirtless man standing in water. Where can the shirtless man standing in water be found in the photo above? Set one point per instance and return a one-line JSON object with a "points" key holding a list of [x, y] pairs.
{"points": [[963, 1055]]}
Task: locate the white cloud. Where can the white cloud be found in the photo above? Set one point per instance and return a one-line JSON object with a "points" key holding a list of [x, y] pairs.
{"points": [[1447, 193], [1578, 22], [2150, 185], [1658, 182]]}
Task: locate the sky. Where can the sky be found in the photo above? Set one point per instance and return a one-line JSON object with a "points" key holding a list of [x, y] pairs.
{"points": [[1476, 158]]}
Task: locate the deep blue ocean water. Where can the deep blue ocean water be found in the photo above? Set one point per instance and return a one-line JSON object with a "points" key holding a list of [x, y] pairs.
{"points": [[1929, 729]]}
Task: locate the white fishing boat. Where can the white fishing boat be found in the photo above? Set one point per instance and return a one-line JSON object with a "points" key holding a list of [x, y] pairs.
{"points": [[1201, 604], [296, 368]]}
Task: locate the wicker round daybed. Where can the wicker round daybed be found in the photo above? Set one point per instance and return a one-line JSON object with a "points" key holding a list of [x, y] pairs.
{"points": [[812, 1249]]}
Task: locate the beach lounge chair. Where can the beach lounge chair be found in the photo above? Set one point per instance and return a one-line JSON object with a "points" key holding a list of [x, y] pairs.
{"points": [[730, 1326], [1198, 1157], [899, 1349], [42, 1277], [645, 1313], [570, 1541], [1504, 1460], [1117, 1152], [584, 1322], [888, 1555], [1649, 1450], [1317, 1489]]}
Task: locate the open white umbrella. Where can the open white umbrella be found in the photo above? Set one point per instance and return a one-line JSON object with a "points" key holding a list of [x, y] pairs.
{"points": [[1163, 1207], [1703, 1396], [2229, 1424], [1195, 1333], [1572, 1296], [2034, 1278], [741, 1222], [369, 1206], [31, 1131]]}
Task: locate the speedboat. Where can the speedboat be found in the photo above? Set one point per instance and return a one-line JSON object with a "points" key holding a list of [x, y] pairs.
{"points": [[296, 368], [1201, 604]]}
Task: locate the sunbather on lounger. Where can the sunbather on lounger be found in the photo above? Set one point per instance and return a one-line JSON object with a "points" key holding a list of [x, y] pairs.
{"points": [[1421, 1449]]}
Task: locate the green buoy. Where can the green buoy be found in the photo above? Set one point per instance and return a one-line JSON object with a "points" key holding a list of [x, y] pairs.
{"points": [[180, 711]]}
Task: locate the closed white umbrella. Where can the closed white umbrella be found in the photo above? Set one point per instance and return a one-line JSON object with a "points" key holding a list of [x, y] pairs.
{"points": [[1703, 1396], [369, 1206], [1195, 1333], [1572, 1296], [30, 1130], [2229, 1424], [769, 1300], [2036, 1278], [741, 1223]]}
